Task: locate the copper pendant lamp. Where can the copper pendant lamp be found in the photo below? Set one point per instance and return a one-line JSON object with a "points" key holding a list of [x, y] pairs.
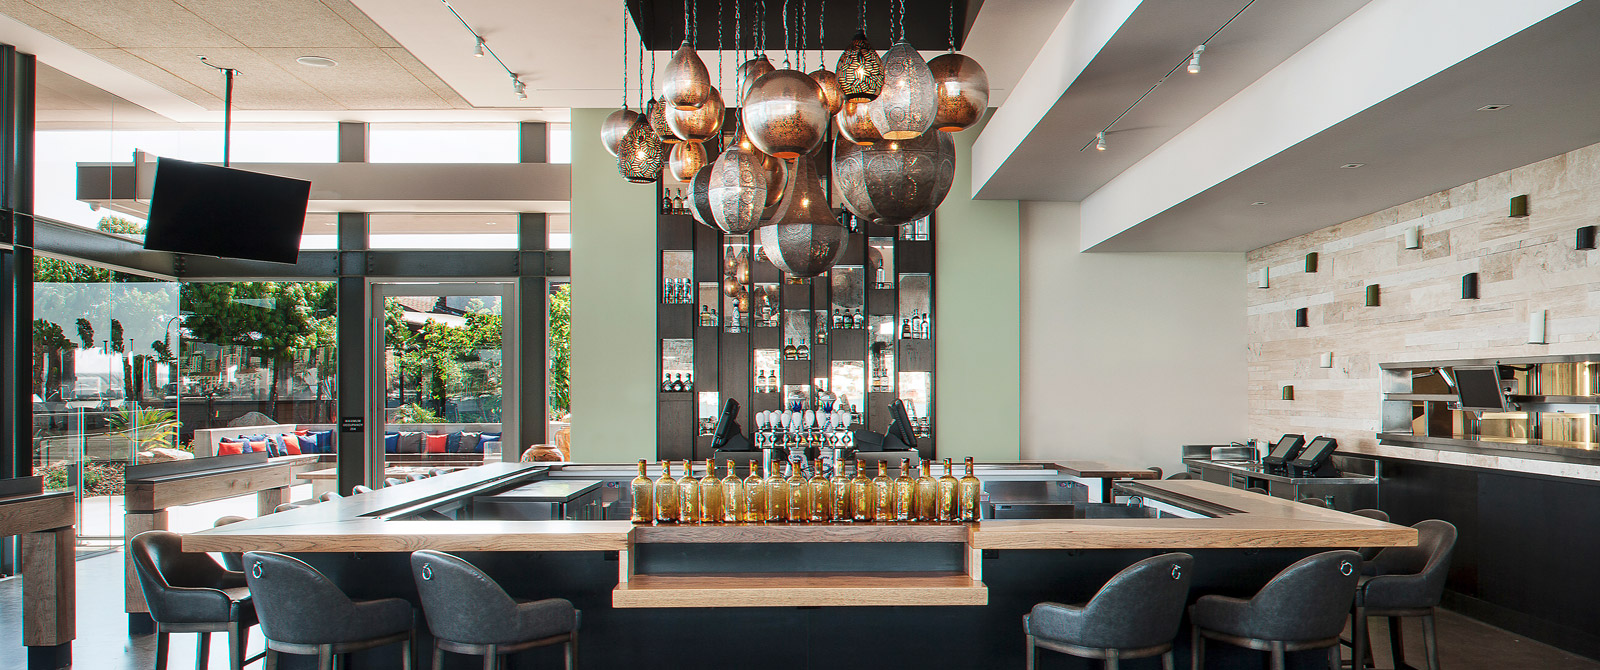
{"points": [[895, 181], [905, 107], [658, 122], [614, 127], [805, 238], [860, 70], [639, 152], [855, 124], [749, 72], [697, 125], [744, 183], [688, 83], [961, 92], [784, 114], [700, 197], [686, 159], [832, 93]]}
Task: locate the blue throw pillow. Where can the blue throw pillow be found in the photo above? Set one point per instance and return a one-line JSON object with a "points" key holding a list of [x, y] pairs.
{"points": [[488, 446], [324, 441], [484, 438], [391, 443], [308, 444], [256, 438], [452, 442]]}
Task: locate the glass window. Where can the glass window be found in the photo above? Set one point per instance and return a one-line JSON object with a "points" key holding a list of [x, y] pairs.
{"points": [[444, 143], [560, 143], [558, 231]]}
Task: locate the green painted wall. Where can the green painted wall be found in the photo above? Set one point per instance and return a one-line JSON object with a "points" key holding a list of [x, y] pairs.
{"points": [[977, 320], [613, 304]]}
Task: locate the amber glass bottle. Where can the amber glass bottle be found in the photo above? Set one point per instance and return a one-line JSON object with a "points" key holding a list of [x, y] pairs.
{"points": [[777, 494], [711, 495], [947, 494], [755, 491], [861, 502], [688, 495], [734, 502], [666, 495], [926, 507], [644, 507], [968, 492], [903, 491], [882, 494], [818, 494], [839, 494], [799, 495]]}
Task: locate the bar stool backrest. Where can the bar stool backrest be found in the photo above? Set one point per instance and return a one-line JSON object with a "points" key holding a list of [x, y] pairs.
{"points": [[461, 602], [1141, 606], [180, 587], [295, 603], [1308, 600], [232, 560], [1429, 560], [359, 489]]}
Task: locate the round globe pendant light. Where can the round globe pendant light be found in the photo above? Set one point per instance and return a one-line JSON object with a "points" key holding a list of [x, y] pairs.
{"points": [[743, 184], [804, 238], [700, 197], [904, 108], [855, 124], [697, 125], [639, 152], [784, 114], [688, 83], [961, 92], [895, 181], [859, 69], [832, 93], [658, 123], [614, 127], [749, 72], [686, 159]]}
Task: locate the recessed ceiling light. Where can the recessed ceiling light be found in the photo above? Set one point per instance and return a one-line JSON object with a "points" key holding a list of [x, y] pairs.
{"points": [[491, 223], [1351, 166], [316, 61], [1492, 108], [1258, 203]]}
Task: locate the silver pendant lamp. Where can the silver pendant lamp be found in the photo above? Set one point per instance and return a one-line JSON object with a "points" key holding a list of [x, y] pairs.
{"points": [[804, 239], [895, 181]]}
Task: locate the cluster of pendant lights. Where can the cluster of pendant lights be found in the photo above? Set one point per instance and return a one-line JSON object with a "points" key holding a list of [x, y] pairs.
{"points": [[893, 160]]}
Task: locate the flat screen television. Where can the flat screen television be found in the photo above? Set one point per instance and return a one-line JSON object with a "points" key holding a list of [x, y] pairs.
{"points": [[1315, 454], [900, 425], [1285, 450], [728, 436], [209, 210], [1478, 387]]}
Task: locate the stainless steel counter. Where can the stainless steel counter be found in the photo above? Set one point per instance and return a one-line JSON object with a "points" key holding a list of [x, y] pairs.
{"points": [[1348, 492]]}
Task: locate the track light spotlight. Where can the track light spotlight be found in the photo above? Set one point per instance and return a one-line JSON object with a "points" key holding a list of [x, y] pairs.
{"points": [[1100, 141], [1194, 59], [519, 88], [477, 48]]}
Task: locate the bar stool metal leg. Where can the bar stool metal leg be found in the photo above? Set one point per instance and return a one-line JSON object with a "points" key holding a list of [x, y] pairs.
{"points": [[1167, 661], [491, 658], [1430, 642], [162, 639], [1112, 660], [1361, 639], [1197, 649], [202, 650], [1334, 661], [325, 657], [1397, 643], [438, 655], [1033, 662], [1276, 649], [270, 660], [237, 641], [572, 651]]}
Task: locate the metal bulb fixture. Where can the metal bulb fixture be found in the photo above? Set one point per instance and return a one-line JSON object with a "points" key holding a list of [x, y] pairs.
{"points": [[905, 107], [688, 83], [784, 114], [639, 152], [658, 122], [805, 239], [855, 122], [700, 197], [744, 182], [614, 127], [961, 92], [749, 72], [832, 93], [686, 160], [895, 181], [697, 125], [860, 70]]}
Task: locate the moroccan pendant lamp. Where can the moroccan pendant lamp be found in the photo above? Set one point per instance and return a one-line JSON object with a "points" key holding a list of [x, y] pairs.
{"points": [[688, 83], [855, 123], [784, 114], [905, 107], [658, 123], [686, 159], [745, 186], [700, 197], [961, 87], [895, 181], [751, 70], [805, 239], [639, 152], [615, 126], [860, 70], [832, 92], [697, 125]]}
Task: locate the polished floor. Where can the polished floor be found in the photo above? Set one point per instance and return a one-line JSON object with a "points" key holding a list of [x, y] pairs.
{"points": [[104, 644]]}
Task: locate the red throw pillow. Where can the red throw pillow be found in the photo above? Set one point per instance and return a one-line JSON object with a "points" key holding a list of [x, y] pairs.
{"points": [[434, 444], [302, 432], [291, 444], [259, 445], [230, 448]]}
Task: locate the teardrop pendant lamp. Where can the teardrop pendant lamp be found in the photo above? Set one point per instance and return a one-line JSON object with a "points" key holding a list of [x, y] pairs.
{"points": [[832, 93], [688, 83], [658, 123], [784, 114], [805, 239], [961, 92], [855, 122], [904, 108], [639, 152], [698, 125], [745, 186], [686, 160], [749, 71], [860, 70], [614, 127]]}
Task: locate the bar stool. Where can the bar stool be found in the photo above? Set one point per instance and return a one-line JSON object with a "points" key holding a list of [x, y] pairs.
{"points": [[230, 559], [359, 489], [1406, 582], [1179, 475], [1367, 553], [1257, 489], [1135, 615], [286, 507], [1155, 470], [1303, 607], [393, 481], [301, 612], [191, 593], [1314, 502], [469, 613], [331, 495]]}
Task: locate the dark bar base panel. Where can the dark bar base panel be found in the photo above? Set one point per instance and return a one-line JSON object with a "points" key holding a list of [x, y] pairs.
{"points": [[50, 658], [1524, 560], [802, 638]]}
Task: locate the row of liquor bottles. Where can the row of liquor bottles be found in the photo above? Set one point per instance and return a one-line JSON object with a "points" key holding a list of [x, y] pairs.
{"points": [[678, 291], [677, 382], [795, 499], [674, 202]]}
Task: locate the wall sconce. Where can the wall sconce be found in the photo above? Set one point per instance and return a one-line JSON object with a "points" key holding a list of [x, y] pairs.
{"points": [[1372, 295], [1469, 286], [1414, 237], [1288, 393], [1327, 359], [1536, 327], [1300, 318], [1311, 261], [1261, 278], [1585, 238], [1519, 205]]}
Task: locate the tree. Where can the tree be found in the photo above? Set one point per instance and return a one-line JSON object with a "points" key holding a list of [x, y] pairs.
{"points": [[560, 349], [49, 343], [275, 318], [112, 223]]}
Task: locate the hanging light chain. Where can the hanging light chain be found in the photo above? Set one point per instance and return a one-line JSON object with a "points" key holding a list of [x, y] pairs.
{"points": [[952, 26], [719, 46], [785, 33], [624, 54]]}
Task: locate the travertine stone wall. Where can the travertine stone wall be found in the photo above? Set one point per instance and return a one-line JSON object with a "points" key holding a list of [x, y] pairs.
{"points": [[1524, 265]]}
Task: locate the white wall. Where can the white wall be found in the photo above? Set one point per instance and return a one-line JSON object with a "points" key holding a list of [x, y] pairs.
{"points": [[1125, 357]]}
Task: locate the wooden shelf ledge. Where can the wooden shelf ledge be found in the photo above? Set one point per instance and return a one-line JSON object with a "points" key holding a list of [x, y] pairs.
{"points": [[801, 533], [803, 589]]}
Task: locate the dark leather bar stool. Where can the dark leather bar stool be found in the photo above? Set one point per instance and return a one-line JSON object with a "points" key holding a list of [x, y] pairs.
{"points": [[1302, 608], [1135, 615], [1257, 489], [286, 507], [469, 613], [360, 489], [191, 593], [230, 559], [1406, 582], [1180, 475], [1367, 553], [1155, 470], [1314, 502], [301, 612], [393, 481], [331, 495]]}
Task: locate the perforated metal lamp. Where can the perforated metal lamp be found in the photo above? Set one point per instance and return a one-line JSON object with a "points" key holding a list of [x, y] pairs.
{"points": [[905, 107], [895, 181], [697, 125], [639, 152], [700, 197], [860, 70], [804, 239], [658, 122], [688, 83], [784, 114], [686, 159], [855, 123], [614, 127], [832, 93], [744, 184], [748, 72], [961, 92]]}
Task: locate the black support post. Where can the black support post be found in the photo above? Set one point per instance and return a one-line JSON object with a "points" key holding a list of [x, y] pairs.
{"points": [[533, 292], [353, 422], [534, 143]]}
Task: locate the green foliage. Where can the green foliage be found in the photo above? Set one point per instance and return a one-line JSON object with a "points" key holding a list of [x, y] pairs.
{"points": [[49, 336], [146, 428], [55, 270], [86, 333], [414, 413], [560, 349], [112, 223], [277, 317]]}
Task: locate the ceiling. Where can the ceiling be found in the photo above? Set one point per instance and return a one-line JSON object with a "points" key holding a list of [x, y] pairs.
{"points": [[923, 25], [63, 101]]}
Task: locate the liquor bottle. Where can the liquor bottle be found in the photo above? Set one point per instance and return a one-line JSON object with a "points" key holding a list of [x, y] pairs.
{"points": [[905, 329], [882, 495], [819, 494], [881, 278], [799, 500], [861, 502], [761, 381], [822, 334], [735, 505], [666, 382], [666, 495], [777, 494], [904, 493], [839, 494], [838, 318], [644, 508], [858, 321], [916, 324], [926, 506], [927, 326], [711, 506], [666, 202], [789, 350], [688, 495], [688, 381], [705, 315], [947, 494], [677, 382], [677, 202], [802, 352], [969, 491], [755, 492]]}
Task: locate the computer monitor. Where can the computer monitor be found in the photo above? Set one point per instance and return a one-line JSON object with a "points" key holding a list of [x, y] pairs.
{"points": [[1478, 388], [899, 428], [1285, 450], [1314, 457], [728, 436]]}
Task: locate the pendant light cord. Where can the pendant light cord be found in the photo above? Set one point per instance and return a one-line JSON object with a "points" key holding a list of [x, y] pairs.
{"points": [[624, 55], [952, 26]]}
